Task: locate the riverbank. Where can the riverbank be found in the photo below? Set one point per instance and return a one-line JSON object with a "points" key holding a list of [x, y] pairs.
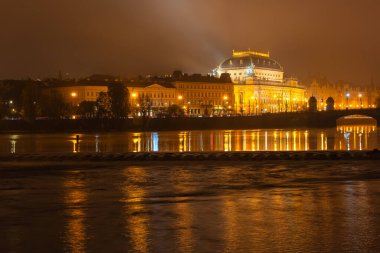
{"points": [[278, 120], [193, 156]]}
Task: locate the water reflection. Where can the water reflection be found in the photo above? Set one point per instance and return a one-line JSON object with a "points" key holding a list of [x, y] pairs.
{"points": [[183, 209], [136, 212], [234, 207], [74, 199], [97, 148], [76, 140], [13, 141], [341, 138], [357, 137]]}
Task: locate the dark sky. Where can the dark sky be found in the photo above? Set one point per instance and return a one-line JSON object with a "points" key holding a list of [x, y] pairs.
{"points": [[339, 39]]}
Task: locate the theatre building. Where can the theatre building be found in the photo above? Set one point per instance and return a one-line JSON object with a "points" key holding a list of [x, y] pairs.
{"points": [[259, 84]]}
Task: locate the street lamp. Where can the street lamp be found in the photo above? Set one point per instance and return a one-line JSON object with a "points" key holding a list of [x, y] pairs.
{"points": [[347, 96], [180, 98], [225, 98], [361, 103], [249, 104], [134, 96]]}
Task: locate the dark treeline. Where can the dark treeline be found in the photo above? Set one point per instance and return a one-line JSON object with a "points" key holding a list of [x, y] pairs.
{"points": [[28, 100]]}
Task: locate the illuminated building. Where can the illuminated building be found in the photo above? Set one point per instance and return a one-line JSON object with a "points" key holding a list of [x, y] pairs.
{"points": [[153, 97], [346, 96], [246, 66], [259, 84], [194, 97], [75, 94], [205, 98]]}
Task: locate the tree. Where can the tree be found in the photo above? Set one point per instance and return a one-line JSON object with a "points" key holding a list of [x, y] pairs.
{"points": [[329, 104], [87, 109], [312, 104], [177, 75], [119, 96], [103, 105], [175, 111], [52, 105], [145, 103], [29, 101], [4, 107]]}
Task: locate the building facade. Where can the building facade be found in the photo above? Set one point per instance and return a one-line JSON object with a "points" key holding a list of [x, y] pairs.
{"points": [[76, 94], [195, 98], [260, 86], [345, 96]]}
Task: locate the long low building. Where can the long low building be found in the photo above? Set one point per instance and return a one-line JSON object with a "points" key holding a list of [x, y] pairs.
{"points": [[194, 97]]}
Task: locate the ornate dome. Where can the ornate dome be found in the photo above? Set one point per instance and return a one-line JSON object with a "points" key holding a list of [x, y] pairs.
{"points": [[249, 58]]}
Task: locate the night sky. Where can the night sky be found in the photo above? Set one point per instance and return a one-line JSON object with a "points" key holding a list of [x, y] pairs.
{"points": [[339, 39]]}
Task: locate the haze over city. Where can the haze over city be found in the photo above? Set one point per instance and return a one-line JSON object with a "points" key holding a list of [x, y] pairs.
{"points": [[337, 39]]}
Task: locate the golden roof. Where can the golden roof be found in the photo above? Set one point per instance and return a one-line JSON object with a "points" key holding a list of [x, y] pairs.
{"points": [[249, 53]]}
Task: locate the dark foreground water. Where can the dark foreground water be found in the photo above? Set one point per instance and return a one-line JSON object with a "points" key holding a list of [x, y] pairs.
{"points": [[192, 207]]}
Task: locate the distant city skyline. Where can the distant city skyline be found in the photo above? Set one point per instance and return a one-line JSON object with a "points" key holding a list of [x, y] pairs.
{"points": [[336, 39]]}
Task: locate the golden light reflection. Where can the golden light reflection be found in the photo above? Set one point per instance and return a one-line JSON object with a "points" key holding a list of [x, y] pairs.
{"points": [[306, 140], [76, 139], [184, 212], [342, 138], [227, 142], [136, 219], [136, 139], [231, 235], [74, 198], [275, 141], [184, 142]]}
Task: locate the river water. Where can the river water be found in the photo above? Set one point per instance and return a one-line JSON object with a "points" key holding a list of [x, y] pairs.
{"points": [[192, 207], [343, 138]]}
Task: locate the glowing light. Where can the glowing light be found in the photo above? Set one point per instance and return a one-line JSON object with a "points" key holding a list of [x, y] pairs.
{"points": [[247, 53], [134, 95], [180, 97], [74, 94], [225, 97]]}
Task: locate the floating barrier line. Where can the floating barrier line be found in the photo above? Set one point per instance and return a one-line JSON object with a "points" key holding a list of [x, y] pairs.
{"points": [[196, 156]]}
